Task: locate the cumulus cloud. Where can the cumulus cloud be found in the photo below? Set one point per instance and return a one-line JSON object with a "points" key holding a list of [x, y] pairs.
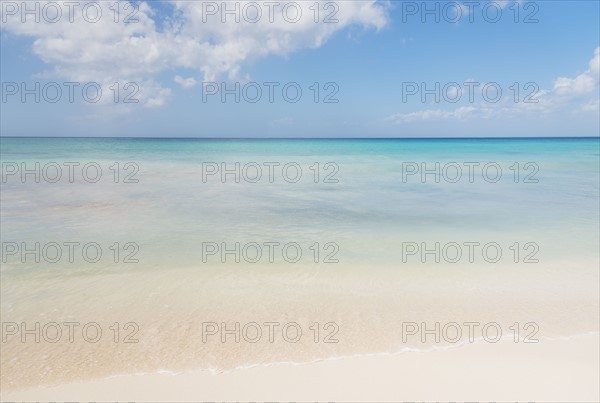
{"points": [[186, 82], [582, 84], [182, 34], [567, 95]]}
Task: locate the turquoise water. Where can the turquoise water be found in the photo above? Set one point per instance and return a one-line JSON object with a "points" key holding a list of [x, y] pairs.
{"points": [[367, 206]]}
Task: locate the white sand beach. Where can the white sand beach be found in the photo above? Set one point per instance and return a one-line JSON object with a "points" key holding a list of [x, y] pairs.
{"points": [[565, 370]]}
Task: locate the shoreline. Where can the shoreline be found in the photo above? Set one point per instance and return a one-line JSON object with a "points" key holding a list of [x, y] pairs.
{"points": [[404, 350], [563, 368], [369, 315]]}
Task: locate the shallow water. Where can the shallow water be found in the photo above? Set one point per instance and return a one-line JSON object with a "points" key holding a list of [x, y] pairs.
{"points": [[352, 249]]}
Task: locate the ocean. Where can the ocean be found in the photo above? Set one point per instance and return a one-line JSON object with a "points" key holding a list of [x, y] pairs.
{"points": [[172, 243]]}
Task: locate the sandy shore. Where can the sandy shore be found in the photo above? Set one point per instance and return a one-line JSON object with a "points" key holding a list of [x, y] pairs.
{"points": [[552, 370]]}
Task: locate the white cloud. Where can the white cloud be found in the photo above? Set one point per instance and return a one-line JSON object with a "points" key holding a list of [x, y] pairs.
{"points": [[433, 114], [186, 82], [466, 7], [108, 52], [582, 84], [591, 106], [569, 95]]}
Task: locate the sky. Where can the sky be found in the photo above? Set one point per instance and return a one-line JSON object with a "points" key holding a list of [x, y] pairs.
{"points": [[300, 69]]}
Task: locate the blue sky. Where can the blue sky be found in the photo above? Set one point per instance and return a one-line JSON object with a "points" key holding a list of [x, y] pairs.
{"points": [[368, 61]]}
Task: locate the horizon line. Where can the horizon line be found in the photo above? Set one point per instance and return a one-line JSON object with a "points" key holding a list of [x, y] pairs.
{"points": [[302, 138]]}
